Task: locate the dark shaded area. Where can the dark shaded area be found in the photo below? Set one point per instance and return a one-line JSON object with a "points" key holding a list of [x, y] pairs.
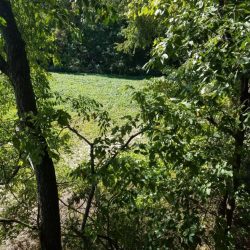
{"points": [[94, 51]]}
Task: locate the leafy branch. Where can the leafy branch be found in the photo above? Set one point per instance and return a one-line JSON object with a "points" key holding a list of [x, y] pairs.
{"points": [[103, 167]]}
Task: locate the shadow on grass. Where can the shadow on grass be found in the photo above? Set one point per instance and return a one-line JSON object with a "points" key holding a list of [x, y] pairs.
{"points": [[124, 77]]}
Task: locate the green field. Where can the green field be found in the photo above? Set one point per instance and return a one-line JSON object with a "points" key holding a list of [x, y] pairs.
{"points": [[111, 91]]}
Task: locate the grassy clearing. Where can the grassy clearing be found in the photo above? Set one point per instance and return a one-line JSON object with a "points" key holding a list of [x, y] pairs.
{"points": [[111, 91]]}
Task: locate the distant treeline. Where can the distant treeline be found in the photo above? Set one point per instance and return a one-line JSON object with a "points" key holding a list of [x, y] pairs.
{"points": [[94, 49]]}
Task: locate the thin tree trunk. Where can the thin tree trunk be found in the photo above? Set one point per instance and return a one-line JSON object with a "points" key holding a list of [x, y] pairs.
{"points": [[228, 204], [92, 190], [17, 69], [239, 146]]}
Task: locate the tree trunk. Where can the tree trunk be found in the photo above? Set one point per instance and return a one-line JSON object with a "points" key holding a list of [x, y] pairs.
{"points": [[238, 150], [17, 69]]}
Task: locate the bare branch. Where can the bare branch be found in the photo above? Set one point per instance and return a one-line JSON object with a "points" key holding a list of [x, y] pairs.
{"points": [[223, 129], [112, 242], [88, 207], [123, 147], [92, 191], [69, 207], [4, 66], [10, 221], [15, 172], [79, 135]]}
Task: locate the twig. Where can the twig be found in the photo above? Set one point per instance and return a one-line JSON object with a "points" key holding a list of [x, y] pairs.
{"points": [[69, 207]]}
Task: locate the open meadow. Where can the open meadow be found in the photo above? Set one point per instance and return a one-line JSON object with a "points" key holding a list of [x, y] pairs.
{"points": [[115, 93]]}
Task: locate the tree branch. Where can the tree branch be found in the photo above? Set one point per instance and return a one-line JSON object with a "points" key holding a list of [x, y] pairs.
{"points": [[69, 207], [4, 66], [223, 129], [92, 191], [92, 163], [112, 242], [88, 207], [15, 172], [122, 148], [10, 221], [79, 135]]}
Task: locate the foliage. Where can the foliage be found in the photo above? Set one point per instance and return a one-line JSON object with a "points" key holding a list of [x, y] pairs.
{"points": [[201, 54], [163, 173], [88, 44]]}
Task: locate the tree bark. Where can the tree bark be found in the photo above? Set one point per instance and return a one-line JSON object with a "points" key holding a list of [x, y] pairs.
{"points": [[17, 69]]}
